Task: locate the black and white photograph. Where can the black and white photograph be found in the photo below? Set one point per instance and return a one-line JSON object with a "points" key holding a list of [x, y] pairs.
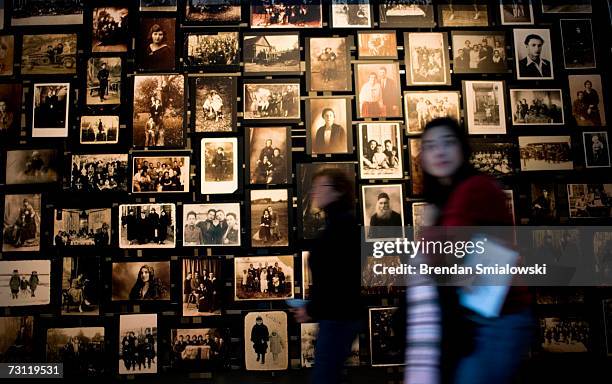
{"points": [[50, 108], [383, 211], [543, 205], [7, 54], [329, 127], [575, 6], [141, 280], [110, 29], [32, 166], [596, 149], [493, 157], [533, 54], [269, 155], [211, 225], [563, 335], [213, 11], [41, 12], [479, 52], [158, 5], [308, 344], [463, 15], [160, 174], [406, 14], [271, 100], [104, 81], [99, 173], [269, 53], [421, 107], [586, 92], [351, 14], [202, 287], [219, 165], [215, 103], [516, 12], [537, 107], [426, 57], [377, 86], [269, 218], [21, 232], [485, 108], [578, 44], [416, 169], [328, 64], [157, 44], [25, 283], [546, 153], [266, 341], [81, 285], [386, 347], [147, 226], [206, 349], [263, 278], [380, 151], [607, 317], [10, 109], [589, 200], [372, 45], [80, 349], [213, 51], [99, 129], [306, 275], [49, 54], [74, 227], [286, 14], [137, 344], [16, 338]]}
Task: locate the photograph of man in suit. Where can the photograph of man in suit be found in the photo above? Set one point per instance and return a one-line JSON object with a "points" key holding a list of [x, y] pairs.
{"points": [[534, 65], [390, 93], [330, 137]]}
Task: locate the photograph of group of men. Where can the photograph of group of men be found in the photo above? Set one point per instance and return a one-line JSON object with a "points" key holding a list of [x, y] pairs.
{"points": [[147, 225]]}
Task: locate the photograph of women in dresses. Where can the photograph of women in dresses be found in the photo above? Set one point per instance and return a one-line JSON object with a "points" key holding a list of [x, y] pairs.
{"points": [[81, 285], [269, 218], [137, 281], [263, 278], [586, 92], [21, 223], [157, 44], [269, 155]]}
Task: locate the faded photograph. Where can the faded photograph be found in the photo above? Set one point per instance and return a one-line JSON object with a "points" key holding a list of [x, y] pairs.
{"points": [[219, 165], [516, 12], [104, 81], [495, 158], [426, 55], [589, 200], [421, 107], [463, 15], [158, 5], [351, 14], [263, 278], [586, 92], [220, 11], [269, 155], [82, 227], [329, 126], [266, 341], [31, 166], [137, 344], [25, 283], [383, 211], [596, 149], [79, 349], [110, 29], [578, 44], [537, 107], [160, 174], [49, 54], [272, 101], [386, 348], [271, 53], [377, 44], [99, 129], [563, 335], [41, 12], [485, 107], [546, 153], [50, 107], [483, 52], [16, 341], [269, 218], [416, 170], [213, 51], [7, 53], [10, 109], [308, 345], [286, 14], [157, 44], [378, 87], [327, 64], [21, 232], [200, 348], [407, 14]]}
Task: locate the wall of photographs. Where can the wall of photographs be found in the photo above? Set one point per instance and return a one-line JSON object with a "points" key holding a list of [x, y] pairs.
{"points": [[156, 160]]}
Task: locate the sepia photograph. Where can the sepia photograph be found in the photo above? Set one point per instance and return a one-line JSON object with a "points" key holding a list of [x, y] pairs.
{"points": [[426, 57], [147, 226], [533, 54], [82, 227], [97, 173], [110, 29], [418, 218], [543, 209], [269, 53], [328, 64], [215, 103], [406, 14], [463, 15], [351, 14], [136, 281], [7, 54], [416, 170], [269, 155], [158, 5], [537, 107], [202, 287], [50, 107], [546, 153], [159, 174], [308, 345], [200, 349], [578, 44], [485, 108], [10, 109], [574, 6], [329, 128], [21, 232], [99, 129], [211, 225], [79, 349], [104, 81], [137, 344], [263, 278], [219, 165], [386, 347], [564, 335], [271, 100], [16, 338], [32, 166], [49, 54], [25, 283], [558, 246], [383, 211], [586, 92], [306, 275], [421, 107], [378, 44], [286, 14], [380, 151], [81, 285], [42, 12], [269, 218], [266, 341], [596, 149], [213, 11], [156, 44], [378, 89], [213, 51], [494, 157], [479, 52], [516, 12], [589, 201]]}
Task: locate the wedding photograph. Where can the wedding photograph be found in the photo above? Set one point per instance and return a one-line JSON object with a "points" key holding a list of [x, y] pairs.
{"points": [[263, 278]]}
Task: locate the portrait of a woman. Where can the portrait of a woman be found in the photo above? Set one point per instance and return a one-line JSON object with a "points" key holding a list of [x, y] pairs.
{"points": [[147, 286], [159, 46]]}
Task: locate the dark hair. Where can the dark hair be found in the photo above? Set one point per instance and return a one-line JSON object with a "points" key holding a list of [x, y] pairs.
{"points": [[533, 36], [325, 110], [156, 28], [192, 213], [383, 195], [341, 182]]}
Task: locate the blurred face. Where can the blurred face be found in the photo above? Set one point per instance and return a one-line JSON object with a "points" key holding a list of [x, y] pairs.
{"points": [[2, 106], [329, 117], [382, 73], [191, 220], [211, 215], [588, 85], [230, 220], [534, 48], [388, 146], [157, 37], [220, 215], [144, 274], [322, 192], [441, 154], [382, 205]]}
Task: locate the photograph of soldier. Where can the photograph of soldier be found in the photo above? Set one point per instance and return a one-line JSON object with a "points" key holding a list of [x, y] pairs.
{"points": [[562, 335], [484, 107], [213, 51], [80, 285], [406, 13], [589, 200], [479, 52], [351, 14], [269, 218], [50, 110], [266, 341], [202, 287], [215, 106], [147, 226], [578, 44], [270, 101], [110, 29], [31, 166], [137, 281], [211, 224], [286, 14], [463, 15], [16, 341], [49, 54], [98, 173], [158, 5], [269, 153], [516, 12], [7, 53], [380, 149], [586, 92], [41, 12], [271, 52], [81, 350], [533, 54], [379, 89], [160, 174], [99, 129], [377, 44], [25, 283], [220, 11], [104, 81], [383, 211], [545, 153], [82, 227], [219, 168], [200, 348], [156, 44], [427, 58], [421, 107], [137, 344], [385, 345], [596, 149], [21, 223], [537, 106], [328, 64]]}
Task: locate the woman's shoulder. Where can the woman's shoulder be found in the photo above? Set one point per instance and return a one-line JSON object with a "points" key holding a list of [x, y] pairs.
{"points": [[479, 184]]}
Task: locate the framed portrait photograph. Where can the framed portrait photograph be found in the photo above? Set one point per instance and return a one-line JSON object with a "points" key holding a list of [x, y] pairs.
{"points": [[104, 81], [288, 14], [589, 200], [156, 44], [159, 109], [268, 153], [99, 173], [38, 12], [158, 5], [76, 227], [416, 169], [385, 343], [49, 54], [494, 157], [161, 173], [263, 278], [212, 51], [383, 211], [147, 226], [273, 100], [575, 6], [329, 127], [211, 225], [270, 220], [379, 44], [328, 64], [213, 11], [214, 102], [485, 108], [16, 328], [110, 29], [380, 151], [21, 231], [546, 153], [308, 341], [50, 108], [81, 286], [516, 12], [426, 57], [66, 344], [533, 54], [463, 15], [265, 330], [586, 92], [479, 52], [578, 44], [418, 218], [552, 326], [351, 14], [545, 107], [202, 287], [596, 149], [420, 107], [141, 280], [219, 165], [26, 283], [543, 204], [206, 349], [378, 89], [7, 55], [406, 14], [137, 328], [10, 110], [271, 53], [32, 166], [99, 129]]}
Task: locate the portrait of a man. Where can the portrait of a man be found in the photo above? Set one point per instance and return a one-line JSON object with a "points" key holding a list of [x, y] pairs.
{"points": [[383, 211], [534, 54]]}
